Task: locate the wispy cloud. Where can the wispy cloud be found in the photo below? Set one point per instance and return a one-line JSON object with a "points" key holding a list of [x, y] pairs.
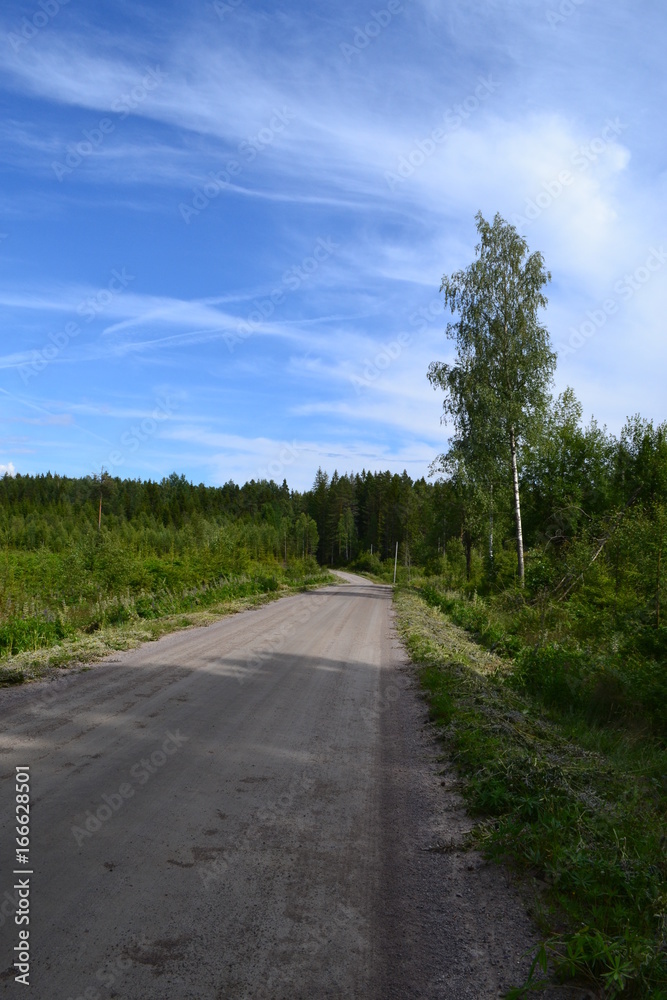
{"points": [[407, 105]]}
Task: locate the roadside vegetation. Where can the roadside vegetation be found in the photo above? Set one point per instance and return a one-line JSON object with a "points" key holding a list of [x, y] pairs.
{"points": [[572, 792], [559, 731], [165, 555]]}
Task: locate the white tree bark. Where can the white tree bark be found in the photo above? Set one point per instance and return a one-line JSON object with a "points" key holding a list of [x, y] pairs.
{"points": [[517, 508]]}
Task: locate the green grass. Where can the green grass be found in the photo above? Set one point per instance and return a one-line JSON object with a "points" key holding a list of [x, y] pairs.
{"points": [[578, 808], [34, 647], [562, 660], [31, 632]]}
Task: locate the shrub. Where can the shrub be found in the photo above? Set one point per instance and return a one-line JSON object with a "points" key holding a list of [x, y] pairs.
{"points": [[18, 634], [367, 562]]}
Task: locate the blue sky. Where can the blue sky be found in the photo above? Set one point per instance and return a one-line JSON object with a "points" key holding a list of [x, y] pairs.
{"points": [[223, 225]]}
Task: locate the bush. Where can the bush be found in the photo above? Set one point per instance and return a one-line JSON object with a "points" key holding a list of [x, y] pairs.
{"points": [[18, 634], [9, 676], [117, 613], [539, 575], [554, 673], [600, 687], [145, 606], [435, 565], [475, 617], [367, 562]]}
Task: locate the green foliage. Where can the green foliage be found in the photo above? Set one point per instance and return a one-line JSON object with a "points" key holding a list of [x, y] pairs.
{"points": [[603, 689], [163, 549], [473, 616], [504, 362], [367, 563], [17, 634], [575, 602], [441, 706], [496, 392], [9, 676], [580, 809]]}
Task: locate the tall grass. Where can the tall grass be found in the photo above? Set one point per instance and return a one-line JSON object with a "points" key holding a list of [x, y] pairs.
{"points": [[579, 806], [566, 658], [132, 571]]}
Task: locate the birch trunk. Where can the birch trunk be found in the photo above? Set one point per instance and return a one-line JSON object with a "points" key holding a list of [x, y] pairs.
{"points": [[517, 508], [467, 541], [491, 533]]}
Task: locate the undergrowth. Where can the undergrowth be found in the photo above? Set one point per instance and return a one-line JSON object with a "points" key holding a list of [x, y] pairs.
{"points": [[559, 662], [577, 806], [34, 643]]}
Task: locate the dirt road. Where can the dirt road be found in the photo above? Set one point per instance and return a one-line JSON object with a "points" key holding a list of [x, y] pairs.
{"points": [[247, 811]]}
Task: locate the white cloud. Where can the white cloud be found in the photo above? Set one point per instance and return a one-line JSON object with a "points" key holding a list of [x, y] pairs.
{"points": [[295, 459], [349, 124]]}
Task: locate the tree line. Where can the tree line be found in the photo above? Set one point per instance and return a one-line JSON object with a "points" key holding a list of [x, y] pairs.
{"points": [[525, 496]]}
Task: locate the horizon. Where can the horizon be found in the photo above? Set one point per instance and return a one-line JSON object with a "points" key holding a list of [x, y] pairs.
{"points": [[223, 229], [218, 486]]}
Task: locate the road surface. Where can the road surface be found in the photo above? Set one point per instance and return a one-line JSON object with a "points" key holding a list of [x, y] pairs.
{"points": [[246, 811]]}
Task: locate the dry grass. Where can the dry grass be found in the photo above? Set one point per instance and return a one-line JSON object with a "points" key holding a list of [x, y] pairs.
{"points": [[31, 665]]}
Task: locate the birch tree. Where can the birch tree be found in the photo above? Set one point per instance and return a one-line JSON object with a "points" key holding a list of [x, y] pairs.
{"points": [[497, 390]]}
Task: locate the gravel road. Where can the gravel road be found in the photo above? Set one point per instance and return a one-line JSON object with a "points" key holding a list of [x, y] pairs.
{"points": [[249, 810]]}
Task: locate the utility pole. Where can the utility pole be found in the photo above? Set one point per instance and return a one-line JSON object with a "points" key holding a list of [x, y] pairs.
{"points": [[395, 562]]}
